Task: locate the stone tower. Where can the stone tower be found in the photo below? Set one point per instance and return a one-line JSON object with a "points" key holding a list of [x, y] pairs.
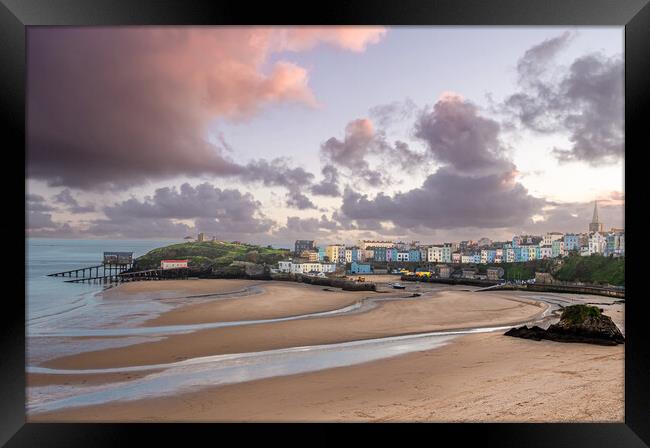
{"points": [[595, 225]]}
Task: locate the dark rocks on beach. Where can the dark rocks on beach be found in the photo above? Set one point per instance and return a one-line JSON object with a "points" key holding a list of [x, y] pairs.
{"points": [[578, 323], [535, 333]]}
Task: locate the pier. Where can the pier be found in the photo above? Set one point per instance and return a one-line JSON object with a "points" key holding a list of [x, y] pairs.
{"points": [[116, 268], [133, 276], [87, 272]]}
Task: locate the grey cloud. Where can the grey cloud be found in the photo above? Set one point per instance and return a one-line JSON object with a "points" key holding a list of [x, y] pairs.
{"points": [[277, 172], [37, 203], [361, 142], [329, 185], [140, 228], [447, 200], [595, 86], [65, 197], [387, 114], [221, 212], [37, 220], [584, 101], [536, 59], [298, 200], [457, 136]]}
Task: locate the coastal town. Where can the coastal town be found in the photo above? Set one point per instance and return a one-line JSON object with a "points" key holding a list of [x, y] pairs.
{"points": [[381, 257], [325, 224]]}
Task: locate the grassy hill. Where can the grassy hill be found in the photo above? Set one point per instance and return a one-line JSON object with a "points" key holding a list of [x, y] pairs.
{"points": [[592, 269], [595, 269], [210, 253]]}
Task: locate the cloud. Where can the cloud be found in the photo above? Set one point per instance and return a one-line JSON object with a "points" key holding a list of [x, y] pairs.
{"points": [[387, 114], [65, 197], [278, 173], [361, 142], [329, 185], [584, 101], [457, 136], [117, 107], [38, 222], [448, 200], [37, 203], [298, 200], [537, 58], [226, 213], [355, 38], [474, 187], [576, 216]]}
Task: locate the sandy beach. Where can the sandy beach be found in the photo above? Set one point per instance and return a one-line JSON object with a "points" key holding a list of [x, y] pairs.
{"points": [[277, 299], [446, 310], [480, 377], [477, 378]]}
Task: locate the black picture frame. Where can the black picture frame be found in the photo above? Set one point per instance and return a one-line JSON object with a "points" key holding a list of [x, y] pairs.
{"points": [[634, 15]]}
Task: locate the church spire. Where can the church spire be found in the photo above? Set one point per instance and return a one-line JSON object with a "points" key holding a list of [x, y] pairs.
{"points": [[594, 220], [596, 225]]}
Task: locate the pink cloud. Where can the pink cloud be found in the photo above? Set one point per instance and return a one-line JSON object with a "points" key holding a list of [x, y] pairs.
{"points": [[123, 105], [350, 38]]}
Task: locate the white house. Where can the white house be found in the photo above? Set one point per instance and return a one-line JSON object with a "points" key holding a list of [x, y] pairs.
{"points": [[302, 268], [597, 243], [284, 266], [402, 256], [439, 254], [546, 252], [552, 236]]}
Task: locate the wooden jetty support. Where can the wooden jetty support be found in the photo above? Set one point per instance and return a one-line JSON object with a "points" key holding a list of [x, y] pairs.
{"points": [[107, 269], [132, 276]]}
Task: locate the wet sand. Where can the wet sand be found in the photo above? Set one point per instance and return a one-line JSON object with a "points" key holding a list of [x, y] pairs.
{"points": [[176, 288], [444, 311], [476, 378]]}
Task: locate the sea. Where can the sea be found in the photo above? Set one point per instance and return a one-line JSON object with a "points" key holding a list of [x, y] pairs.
{"points": [[54, 306]]}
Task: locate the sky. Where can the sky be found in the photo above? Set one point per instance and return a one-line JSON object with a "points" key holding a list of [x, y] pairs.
{"points": [[271, 134]]}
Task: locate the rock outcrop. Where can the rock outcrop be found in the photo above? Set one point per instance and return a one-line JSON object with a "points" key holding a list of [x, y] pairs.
{"points": [[578, 323]]}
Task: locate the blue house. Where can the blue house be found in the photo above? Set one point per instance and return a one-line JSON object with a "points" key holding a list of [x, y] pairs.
{"points": [[379, 253], [414, 255], [521, 254], [358, 268], [571, 242]]}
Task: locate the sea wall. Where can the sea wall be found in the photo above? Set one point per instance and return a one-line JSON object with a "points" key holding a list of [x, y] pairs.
{"points": [[333, 282], [450, 281], [601, 291]]}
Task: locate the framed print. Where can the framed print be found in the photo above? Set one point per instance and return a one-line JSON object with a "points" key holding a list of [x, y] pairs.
{"points": [[363, 214]]}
